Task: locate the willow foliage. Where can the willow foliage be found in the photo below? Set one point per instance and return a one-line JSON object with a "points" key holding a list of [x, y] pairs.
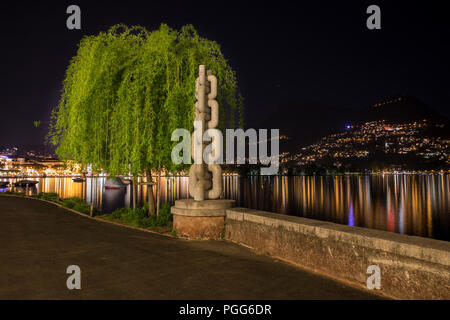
{"points": [[125, 92]]}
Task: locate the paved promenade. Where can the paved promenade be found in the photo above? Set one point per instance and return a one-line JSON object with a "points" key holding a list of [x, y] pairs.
{"points": [[39, 240]]}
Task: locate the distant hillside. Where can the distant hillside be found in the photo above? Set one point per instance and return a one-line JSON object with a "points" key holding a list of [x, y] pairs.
{"points": [[321, 120], [401, 132], [37, 149]]}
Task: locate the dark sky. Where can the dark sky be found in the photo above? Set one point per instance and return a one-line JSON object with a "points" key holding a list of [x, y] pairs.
{"points": [[282, 51]]}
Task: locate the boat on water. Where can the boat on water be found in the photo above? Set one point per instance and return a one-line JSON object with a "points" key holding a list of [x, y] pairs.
{"points": [[123, 180], [113, 187], [115, 184], [78, 180], [24, 183]]}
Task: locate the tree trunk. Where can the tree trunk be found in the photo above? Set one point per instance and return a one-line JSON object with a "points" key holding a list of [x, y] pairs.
{"points": [[133, 191], [91, 211], [151, 199], [158, 191]]}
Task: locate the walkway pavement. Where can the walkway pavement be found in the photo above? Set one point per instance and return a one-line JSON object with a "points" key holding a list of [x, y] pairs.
{"points": [[39, 240]]}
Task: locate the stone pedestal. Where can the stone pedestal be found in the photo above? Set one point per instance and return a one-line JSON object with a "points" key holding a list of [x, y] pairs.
{"points": [[200, 219]]}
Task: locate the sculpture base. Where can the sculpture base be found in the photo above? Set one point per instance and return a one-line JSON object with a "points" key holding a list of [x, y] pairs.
{"points": [[200, 219]]}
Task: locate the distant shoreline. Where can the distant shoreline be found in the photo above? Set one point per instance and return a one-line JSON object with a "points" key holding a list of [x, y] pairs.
{"points": [[253, 175]]}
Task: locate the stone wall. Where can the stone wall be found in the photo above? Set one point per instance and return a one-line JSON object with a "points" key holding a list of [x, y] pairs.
{"points": [[411, 267]]}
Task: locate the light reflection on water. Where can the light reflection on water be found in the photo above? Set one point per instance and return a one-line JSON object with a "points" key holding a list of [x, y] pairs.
{"points": [[408, 204]]}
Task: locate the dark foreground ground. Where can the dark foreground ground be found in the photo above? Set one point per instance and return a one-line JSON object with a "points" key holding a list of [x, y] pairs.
{"points": [[38, 241]]}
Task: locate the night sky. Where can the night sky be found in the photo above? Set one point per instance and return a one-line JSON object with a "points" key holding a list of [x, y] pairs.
{"points": [[282, 51]]}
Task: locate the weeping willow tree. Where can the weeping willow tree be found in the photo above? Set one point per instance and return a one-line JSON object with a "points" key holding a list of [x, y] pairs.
{"points": [[125, 92]]}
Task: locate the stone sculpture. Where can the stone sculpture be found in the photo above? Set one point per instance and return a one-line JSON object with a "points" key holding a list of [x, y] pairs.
{"points": [[204, 216], [205, 180]]}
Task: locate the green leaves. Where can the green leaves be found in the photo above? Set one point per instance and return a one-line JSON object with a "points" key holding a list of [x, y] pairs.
{"points": [[126, 90]]}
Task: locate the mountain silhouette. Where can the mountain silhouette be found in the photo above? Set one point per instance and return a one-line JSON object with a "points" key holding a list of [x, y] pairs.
{"points": [[402, 109], [320, 120]]}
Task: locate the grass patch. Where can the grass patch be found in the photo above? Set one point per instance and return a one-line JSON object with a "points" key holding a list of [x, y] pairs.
{"points": [[139, 218], [79, 205], [50, 196]]}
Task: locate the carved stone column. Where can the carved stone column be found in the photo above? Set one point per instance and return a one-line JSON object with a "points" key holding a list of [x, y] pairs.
{"points": [[203, 216]]}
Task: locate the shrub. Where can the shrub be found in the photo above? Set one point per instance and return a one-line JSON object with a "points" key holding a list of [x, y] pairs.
{"points": [[79, 205], [70, 202], [138, 217], [165, 217], [82, 207], [148, 221], [134, 217], [50, 196], [117, 214]]}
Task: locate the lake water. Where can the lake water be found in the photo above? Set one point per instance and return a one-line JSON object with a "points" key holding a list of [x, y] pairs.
{"points": [[407, 204]]}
